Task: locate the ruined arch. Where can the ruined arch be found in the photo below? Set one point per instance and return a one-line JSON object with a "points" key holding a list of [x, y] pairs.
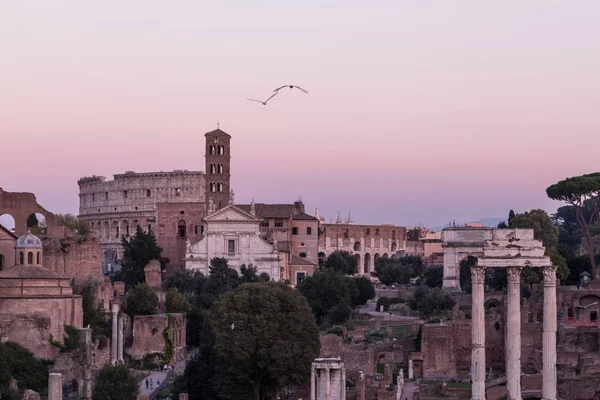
{"points": [[357, 257], [375, 258], [367, 262], [356, 246], [125, 228], [492, 303], [21, 205], [385, 255], [8, 222]]}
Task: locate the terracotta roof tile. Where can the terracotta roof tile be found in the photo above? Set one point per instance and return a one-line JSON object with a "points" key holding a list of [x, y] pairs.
{"points": [[297, 260], [305, 217], [269, 210], [29, 272]]}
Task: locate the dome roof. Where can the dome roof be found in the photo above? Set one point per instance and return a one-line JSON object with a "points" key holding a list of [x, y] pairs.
{"points": [[28, 241]]}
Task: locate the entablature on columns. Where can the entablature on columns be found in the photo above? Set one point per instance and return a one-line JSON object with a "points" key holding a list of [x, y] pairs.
{"points": [[510, 253]]}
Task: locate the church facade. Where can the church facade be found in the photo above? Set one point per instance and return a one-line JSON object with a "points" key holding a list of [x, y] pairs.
{"points": [[234, 234]]}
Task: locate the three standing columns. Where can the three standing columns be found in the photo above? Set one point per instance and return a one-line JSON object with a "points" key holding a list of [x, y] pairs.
{"points": [[513, 334], [549, 335], [478, 333]]}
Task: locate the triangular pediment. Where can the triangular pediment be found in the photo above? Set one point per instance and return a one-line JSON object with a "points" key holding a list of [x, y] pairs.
{"points": [[231, 213]]}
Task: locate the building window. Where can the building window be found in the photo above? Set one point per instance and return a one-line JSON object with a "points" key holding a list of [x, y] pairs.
{"points": [[594, 316], [309, 230], [149, 228], [199, 229], [346, 234], [148, 193], [93, 197], [393, 235], [162, 229], [30, 258], [106, 196], [220, 168], [38, 258], [1, 262], [294, 230], [303, 255], [212, 149], [278, 224], [377, 231], [21, 258], [181, 231], [220, 187], [124, 194], [231, 247], [368, 231], [264, 223], [300, 276], [117, 235], [212, 187], [221, 150], [178, 192]]}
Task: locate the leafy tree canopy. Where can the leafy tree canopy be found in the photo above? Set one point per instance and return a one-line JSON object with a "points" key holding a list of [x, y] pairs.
{"points": [[268, 336], [141, 300], [434, 276], [115, 383], [430, 301], [176, 302], [138, 251], [222, 277], [342, 261], [541, 223], [19, 363], [326, 290], [185, 281]]}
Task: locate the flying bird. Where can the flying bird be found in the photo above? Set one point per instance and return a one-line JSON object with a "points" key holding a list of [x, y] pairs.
{"points": [[291, 87], [264, 103]]}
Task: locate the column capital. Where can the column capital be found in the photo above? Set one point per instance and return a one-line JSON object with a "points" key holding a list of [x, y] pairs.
{"points": [[477, 274], [550, 275], [514, 274]]}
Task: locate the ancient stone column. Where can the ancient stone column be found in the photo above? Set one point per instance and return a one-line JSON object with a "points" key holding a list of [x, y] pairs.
{"points": [[85, 361], [120, 340], [513, 334], [477, 333], [549, 335], [55, 387], [327, 384], [313, 384], [410, 369], [115, 328]]}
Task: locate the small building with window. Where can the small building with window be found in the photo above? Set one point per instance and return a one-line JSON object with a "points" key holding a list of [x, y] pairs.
{"points": [[234, 234]]}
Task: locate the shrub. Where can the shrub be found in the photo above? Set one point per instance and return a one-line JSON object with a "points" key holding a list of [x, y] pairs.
{"points": [[115, 383], [141, 300], [383, 301], [430, 301], [176, 302], [366, 290], [397, 300], [335, 330], [19, 363]]}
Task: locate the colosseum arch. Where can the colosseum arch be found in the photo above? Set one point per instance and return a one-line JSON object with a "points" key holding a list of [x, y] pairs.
{"points": [[367, 263], [356, 246]]}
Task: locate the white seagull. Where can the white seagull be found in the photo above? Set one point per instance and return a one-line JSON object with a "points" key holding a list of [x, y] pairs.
{"points": [[264, 103], [291, 87]]}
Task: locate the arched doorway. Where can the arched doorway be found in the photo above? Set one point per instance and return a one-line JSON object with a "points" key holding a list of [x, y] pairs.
{"points": [[367, 263], [8, 222], [357, 246]]}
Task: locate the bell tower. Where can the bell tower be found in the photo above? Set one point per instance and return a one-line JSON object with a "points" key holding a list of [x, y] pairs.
{"points": [[218, 172]]}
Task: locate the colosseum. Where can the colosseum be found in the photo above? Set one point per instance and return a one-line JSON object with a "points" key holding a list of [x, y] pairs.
{"points": [[170, 204]]}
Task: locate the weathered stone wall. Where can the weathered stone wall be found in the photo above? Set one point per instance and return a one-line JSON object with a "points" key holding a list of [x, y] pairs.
{"points": [[68, 364], [73, 258], [31, 321], [303, 242], [168, 236], [366, 242], [7, 248], [437, 346], [148, 335]]}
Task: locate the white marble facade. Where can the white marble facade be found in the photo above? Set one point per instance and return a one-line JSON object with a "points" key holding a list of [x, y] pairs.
{"points": [[234, 234]]}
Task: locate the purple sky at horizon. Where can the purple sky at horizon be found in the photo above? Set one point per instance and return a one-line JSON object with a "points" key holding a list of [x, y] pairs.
{"points": [[419, 112]]}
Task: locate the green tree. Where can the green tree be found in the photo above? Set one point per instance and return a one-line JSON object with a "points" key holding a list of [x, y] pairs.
{"points": [[138, 251], [185, 281], [430, 301], [324, 291], [511, 215], [93, 314], [575, 191], [222, 278], [78, 226], [32, 221], [366, 290], [19, 363], [268, 336], [141, 300], [115, 383], [176, 302], [434, 276], [545, 230], [342, 261]]}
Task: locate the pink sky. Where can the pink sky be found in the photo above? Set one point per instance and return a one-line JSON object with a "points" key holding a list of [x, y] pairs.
{"points": [[419, 112]]}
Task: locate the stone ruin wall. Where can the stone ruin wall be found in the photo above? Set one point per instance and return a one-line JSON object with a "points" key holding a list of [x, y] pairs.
{"points": [[148, 335], [72, 258]]}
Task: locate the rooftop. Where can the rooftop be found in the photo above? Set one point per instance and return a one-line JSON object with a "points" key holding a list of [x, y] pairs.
{"points": [[29, 272]]}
